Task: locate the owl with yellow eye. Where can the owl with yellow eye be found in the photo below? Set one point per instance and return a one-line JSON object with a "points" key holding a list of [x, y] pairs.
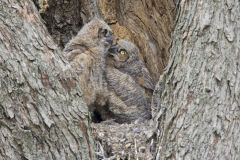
{"points": [[128, 80]]}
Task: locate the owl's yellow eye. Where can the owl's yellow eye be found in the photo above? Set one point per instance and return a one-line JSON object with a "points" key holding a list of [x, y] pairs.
{"points": [[122, 52], [123, 55]]}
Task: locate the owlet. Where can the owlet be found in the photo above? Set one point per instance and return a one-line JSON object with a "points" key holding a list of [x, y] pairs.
{"points": [[86, 53], [128, 82]]}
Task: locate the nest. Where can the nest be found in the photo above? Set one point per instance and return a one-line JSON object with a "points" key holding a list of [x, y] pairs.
{"points": [[116, 141]]}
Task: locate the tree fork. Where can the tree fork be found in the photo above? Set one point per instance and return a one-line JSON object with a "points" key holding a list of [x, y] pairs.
{"points": [[41, 109]]}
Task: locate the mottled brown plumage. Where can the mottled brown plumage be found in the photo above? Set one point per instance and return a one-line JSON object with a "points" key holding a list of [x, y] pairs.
{"points": [[86, 53], [128, 80]]}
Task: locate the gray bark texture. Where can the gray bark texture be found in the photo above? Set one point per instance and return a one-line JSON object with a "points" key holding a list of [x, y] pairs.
{"points": [[42, 115], [196, 101], [199, 113]]}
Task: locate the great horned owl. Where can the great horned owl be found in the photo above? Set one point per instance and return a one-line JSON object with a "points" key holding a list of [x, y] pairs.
{"points": [[128, 81], [86, 53]]}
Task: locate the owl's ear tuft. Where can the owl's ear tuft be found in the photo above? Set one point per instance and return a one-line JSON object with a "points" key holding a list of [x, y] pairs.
{"points": [[106, 34], [113, 49], [103, 32]]}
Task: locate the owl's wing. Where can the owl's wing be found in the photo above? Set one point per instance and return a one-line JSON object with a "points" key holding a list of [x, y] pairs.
{"points": [[125, 87], [122, 112], [145, 80], [116, 105], [74, 47], [128, 101]]}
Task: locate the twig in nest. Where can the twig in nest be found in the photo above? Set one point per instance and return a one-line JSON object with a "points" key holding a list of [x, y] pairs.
{"points": [[135, 146]]}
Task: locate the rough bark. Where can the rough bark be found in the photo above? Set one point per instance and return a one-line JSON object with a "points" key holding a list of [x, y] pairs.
{"points": [[65, 18], [147, 23], [42, 115], [200, 101]]}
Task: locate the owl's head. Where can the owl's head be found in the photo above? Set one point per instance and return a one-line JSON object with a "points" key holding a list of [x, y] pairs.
{"points": [[125, 56], [95, 35], [96, 32], [123, 53]]}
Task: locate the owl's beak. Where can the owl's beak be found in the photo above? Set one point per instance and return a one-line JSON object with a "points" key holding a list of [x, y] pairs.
{"points": [[113, 49], [109, 39]]}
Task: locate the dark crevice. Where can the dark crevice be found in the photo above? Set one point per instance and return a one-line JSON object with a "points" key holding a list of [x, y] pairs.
{"points": [[96, 117], [100, 113], [63, 19]]}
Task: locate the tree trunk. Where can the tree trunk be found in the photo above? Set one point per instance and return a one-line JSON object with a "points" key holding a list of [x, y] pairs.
{"points": [[197, 99], [200, 89], [42, 115]]}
